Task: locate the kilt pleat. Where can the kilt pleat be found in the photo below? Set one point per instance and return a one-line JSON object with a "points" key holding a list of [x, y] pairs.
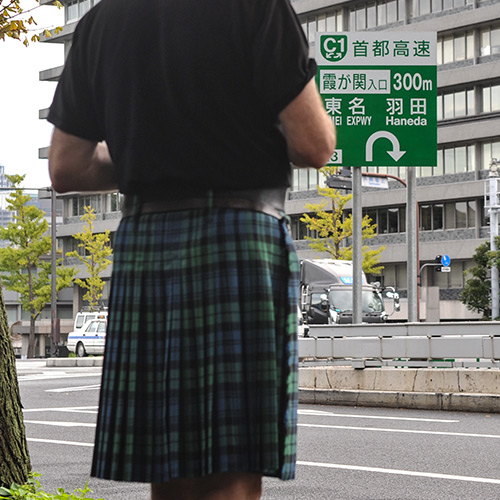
{"points": [[200, 369]]}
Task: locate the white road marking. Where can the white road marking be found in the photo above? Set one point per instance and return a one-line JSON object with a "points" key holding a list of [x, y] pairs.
{"points": [[407, 431], [57, 376], [433, 475], [68, 409], [76, 389], [56, 441], [346, 415], [60, 424]]}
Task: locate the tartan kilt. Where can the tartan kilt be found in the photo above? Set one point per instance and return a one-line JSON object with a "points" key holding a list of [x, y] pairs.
{"points": [[200, 369]]}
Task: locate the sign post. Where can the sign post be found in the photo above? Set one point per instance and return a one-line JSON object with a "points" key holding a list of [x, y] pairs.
{"points": [[380, 89]]}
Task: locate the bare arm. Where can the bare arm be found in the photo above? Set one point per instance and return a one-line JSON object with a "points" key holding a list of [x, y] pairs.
{"points": [[77, 164], [309, 132]]}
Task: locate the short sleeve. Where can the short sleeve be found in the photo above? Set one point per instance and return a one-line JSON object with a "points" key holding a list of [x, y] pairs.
{"points": [[282, 66], [73, 109]]}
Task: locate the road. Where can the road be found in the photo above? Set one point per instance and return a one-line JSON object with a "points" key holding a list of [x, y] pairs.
{"points": [[343, 453]]}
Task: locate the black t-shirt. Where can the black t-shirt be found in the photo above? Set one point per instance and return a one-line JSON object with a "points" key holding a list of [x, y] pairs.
{"points": [[186, 92]]}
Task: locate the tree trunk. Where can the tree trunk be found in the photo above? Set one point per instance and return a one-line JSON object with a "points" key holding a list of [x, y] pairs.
{"points": [[14, 457], [31, 338]]}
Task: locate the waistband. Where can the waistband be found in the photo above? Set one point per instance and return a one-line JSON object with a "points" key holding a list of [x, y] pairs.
{"points": [[270, 201]]}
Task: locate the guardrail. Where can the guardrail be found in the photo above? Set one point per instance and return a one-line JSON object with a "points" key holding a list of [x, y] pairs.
{"points": [[442, 345]]}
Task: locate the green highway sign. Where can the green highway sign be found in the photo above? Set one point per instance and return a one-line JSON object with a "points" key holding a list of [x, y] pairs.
{"points": [[380, 90]]}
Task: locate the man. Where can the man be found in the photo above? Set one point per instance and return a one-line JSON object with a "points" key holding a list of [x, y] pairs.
{"points": [[194, 110]]}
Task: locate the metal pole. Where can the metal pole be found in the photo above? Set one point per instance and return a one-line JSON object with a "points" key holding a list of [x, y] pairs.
{"points": [[357, 245], [53, 306], [495, 313], [411, 241]]}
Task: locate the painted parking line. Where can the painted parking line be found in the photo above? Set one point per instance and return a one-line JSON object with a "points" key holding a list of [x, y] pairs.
{"points": [[404, 431], [56, 376], [379, 470], [64, 409], [320, 413], [60, 424], [76, 389]]}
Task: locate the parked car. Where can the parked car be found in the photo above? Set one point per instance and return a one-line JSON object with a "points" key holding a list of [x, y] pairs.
{"points": [[82, 317], [89, 339]]}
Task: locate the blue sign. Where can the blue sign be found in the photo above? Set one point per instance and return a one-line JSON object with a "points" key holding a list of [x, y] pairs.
{"points": [[445, 260], [347, 280]]}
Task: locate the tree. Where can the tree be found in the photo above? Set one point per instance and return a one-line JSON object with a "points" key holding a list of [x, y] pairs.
{"points": [[476, 294], [14, 457], [15, 22], [24, 264], [96, 250], [334, 228]]}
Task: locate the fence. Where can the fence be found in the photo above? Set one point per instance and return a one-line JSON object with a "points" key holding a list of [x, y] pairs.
{"points": [[443, 345]]}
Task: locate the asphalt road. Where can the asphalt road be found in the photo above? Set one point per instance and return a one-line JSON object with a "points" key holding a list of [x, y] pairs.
{"points": [[344, 452]]}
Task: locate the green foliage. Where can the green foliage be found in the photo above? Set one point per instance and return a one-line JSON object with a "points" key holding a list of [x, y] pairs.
{"points": [[16, 23], [333, 228], [32, 491], [96, 250], [476, 294], [24, 269]]}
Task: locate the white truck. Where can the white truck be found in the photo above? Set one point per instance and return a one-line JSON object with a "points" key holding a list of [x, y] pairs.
{"points": [[326, 292]]}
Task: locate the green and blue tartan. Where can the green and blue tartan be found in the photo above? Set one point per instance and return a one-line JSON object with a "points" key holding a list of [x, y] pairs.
{"points": [[200, 370]]}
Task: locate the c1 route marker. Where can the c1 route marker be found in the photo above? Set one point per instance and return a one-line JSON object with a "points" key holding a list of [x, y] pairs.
{"points": [[396, 153]]}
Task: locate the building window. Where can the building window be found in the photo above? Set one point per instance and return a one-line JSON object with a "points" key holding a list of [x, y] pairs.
{"points": [[455, 104], [490, 41], [75, 9], [455, 160], [81, 202], [326, 22], [307, 179], [490, 150], [374, 14], [454, 48], [425, 7], [491, 98]]}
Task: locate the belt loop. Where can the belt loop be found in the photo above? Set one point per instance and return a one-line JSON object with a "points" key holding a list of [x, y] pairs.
{"points": [[210, 199]]}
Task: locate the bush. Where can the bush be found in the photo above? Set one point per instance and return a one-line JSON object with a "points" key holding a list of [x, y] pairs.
{"points": [[32, 491]]}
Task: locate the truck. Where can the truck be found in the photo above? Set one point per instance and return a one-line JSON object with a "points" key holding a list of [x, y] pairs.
{"points": [[326, 292]]}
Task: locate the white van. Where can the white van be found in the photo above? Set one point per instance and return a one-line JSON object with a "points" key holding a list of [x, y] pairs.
{"points": [[89, 339], [82, 317]]}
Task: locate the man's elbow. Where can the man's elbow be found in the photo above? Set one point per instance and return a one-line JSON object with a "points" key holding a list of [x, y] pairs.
{"points": [[58, 182], [317, 154]]}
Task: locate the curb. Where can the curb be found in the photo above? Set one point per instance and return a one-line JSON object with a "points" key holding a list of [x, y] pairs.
{"points": [[80, 362], [487, 403]]}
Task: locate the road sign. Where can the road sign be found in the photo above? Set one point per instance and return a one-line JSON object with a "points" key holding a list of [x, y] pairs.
{"points": [[374, 182], [380, 90], [445, 260]]}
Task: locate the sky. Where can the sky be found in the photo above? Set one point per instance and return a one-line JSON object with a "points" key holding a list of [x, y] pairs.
{"points": [[22, 95]]}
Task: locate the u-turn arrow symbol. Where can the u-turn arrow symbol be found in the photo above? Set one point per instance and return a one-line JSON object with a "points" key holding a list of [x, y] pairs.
{"points": [[396, 153]]}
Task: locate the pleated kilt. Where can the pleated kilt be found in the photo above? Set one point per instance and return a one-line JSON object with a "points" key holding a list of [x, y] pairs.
{"points": [[200, 369]]}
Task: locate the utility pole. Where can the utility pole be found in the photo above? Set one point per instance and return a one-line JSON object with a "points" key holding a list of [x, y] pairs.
{"points": [[357, 246], [411, 241], [491, 189]]}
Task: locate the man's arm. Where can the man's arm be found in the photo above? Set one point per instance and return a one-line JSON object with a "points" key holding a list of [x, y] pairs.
{"points": [[309, 132], [77, 164]]}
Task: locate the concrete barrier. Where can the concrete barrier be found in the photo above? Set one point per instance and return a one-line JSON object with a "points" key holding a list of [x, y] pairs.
{"points": [[433, 389], [80, 362]]}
